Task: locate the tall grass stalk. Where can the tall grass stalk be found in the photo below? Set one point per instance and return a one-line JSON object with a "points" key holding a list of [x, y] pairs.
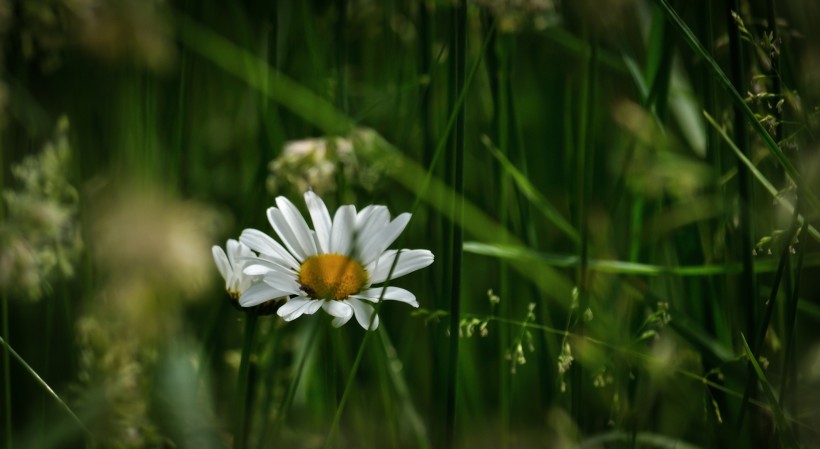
{"points": [[243, 386], [49, 391], [497, 59], [584, 173], [459, 34], [334, 426], [747, 304], [299, 374], [6, 372]]}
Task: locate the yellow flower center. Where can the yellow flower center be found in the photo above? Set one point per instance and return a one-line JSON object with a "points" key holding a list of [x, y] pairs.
{"points": [[331, 276]]}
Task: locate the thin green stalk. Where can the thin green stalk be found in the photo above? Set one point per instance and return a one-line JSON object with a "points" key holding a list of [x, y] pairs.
{"points": [[334, 426], [584, 183], [740, 103], [341, 54], [747, 300], [243, 387], [6, 370], [281, 414], [776, 196], [460, 60], [359, 354], [503, 268], [757, 344], [8, 349], [497, 62], [455, 110], [782, 425], [788, 383]]}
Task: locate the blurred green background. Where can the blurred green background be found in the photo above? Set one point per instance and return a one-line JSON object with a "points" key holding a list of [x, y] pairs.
{"points": [[619, 194]]}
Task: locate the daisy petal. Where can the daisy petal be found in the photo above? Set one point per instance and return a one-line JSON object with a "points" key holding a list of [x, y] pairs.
{"points": [[298, 225], [390, 294], [258, 293], [372, 219], [410, 260], [308, 308], [233, 248], [344, 226], [378, 242], [341, 321], [282, 228], [222, 263], [264, 244], [321, 220], [338, 309], [282, 281], [291, 306], [363, 312], [256, 269]]}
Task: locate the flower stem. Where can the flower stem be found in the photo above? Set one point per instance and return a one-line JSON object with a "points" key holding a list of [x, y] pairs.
{"points": [[243, 383]]}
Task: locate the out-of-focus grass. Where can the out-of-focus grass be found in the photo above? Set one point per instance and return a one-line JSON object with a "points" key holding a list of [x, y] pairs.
{"points": [[582, 160]]}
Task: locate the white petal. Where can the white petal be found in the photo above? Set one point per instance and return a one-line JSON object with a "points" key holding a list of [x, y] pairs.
{"points": [[338, 309], [244, 251], [391, 294], [371, 220], [262, 265], [291, 306], [282, 281], [256, 269], [258, 293], [363, 312], [321, 220], [377, 243], [222, 263], [298, 225], [308, 308], [342, 320], [232, 250], [313, 307], [410, 260], [264, 244], [344, 225], [282, 228]]}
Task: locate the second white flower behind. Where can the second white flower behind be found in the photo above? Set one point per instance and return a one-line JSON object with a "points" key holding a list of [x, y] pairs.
{"points": [[333, 266]]}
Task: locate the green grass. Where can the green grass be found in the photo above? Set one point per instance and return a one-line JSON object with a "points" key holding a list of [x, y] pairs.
{"points": [[641, 221]]}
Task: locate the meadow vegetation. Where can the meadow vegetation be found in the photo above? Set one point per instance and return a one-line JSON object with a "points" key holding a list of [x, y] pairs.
{"points": [[621, 197]]}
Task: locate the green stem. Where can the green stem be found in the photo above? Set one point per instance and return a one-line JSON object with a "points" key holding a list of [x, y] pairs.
{"points": [[6, 370], [334, 427], [459, 60], [9, 350], [243, 383], [355, 368], [291, 393]]}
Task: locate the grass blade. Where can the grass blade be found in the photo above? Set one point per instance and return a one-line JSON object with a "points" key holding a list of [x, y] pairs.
{"points": [[760, 177], [724, 81], [782, 426], [531, 193]]}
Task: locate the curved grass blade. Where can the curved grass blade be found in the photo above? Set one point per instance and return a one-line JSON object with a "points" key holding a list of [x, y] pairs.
{"points": [[759, 176], [518, 252], [45, 386], [643, 438], [531, 193], [724, 81], [784, 430]]}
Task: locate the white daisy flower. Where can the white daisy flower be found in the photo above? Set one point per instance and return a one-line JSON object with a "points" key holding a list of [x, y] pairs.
{"points": [[230, 266], [334, 267]]}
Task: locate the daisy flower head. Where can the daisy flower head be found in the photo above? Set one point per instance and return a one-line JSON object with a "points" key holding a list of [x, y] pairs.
{"points": [[230, 266], [334, 266]]}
